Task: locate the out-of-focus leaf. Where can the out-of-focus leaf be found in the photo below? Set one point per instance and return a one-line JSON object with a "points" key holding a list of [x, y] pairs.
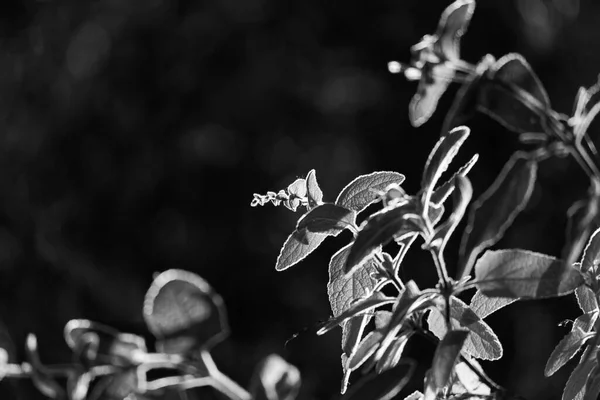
{"points": [[582, 220], [524, 274], [380, 229], [571, 343], [586, 299], [434, 82], [591, 254], [453, 24], [383, 386], [484, 306], [575, 389], [40, 377], [363, 190], [326, 218], [439, 196], [481, 343], [297, 247], [313, 191], [352, 331], [376, 299], [275, 379], [467, 381], [440, 158], [184, 313], [445, 358], [416, 395], [78, 385], [512, 76], [496, 209]]}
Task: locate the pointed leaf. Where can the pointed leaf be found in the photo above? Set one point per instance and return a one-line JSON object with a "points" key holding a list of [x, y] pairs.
{"points": [[275, 379], [184, 313], [484, 306], [591, 254], [571, 343], [326, 218], [452, 26], [575, 388], [375, 300], [497, 208], [382, 319], [363, 190], [367, 347], [445, 358], [297, 247], [524, 274], [439, 196], [313, 191], [383, 386], [481, 343], [392, 355], [586, 299]]}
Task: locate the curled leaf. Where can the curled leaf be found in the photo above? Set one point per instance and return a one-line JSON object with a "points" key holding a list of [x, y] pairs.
{"points": [[363, 190], [367, 347], [313, 191]]}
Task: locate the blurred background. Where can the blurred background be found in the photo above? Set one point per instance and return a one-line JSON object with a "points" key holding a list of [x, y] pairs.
{"points": [[134, 133]]}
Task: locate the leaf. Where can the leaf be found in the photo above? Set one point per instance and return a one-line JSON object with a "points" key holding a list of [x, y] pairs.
{"points": [[352, 331], [367, 347], [297, 247], [445, 358], [275, 379], [326, 218], [382, 319], [435, 79], [484, 306], [184, 313], [591, 254], [383, 386], [511, 77], [497, 208], [375, 300], [392, 355], [380, 229], [440, 158], [439, 196], [416, 395], [576, 384], [452, 26], [481, 343], [524, 274], [467, 381], [571, 343], [313, 191], [362, 191], [586, 299]]}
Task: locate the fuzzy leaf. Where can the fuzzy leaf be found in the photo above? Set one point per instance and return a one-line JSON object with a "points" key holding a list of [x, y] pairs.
{"points": [[439, 196], [313, 191], [586, 299], [481, 343], [297, 247], [275, 379], [352, 331], [380, 229], [326, 218], [575, 389], [445, 358], [362, 191], [496, 209], [571, 343], [184, 313], [591, 255], [383, 386], [524, 274], [484, 306], [376, 299], [440, 158]]}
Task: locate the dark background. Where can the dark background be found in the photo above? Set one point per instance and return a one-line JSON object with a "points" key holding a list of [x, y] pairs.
{"points": [[133, 134]]}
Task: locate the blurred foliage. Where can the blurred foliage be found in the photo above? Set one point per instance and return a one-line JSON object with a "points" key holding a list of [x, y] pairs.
{"points": [[133, 134]]}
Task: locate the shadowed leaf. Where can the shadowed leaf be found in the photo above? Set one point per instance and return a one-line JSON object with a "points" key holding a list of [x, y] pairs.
{"points": [[367, 347], [591, 254], [362, 191], [445, 358], [484, 306], [326, 218], [383, 386]]}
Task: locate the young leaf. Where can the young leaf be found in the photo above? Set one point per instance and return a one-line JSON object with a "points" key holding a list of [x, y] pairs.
{"points": [[586, 299], [313, 191], [453, 24], [367, 347], [363, 190], [591, 254], [380, 229], [435, 79], [383, 386], [184, 313], [484, 306], [440, 157], [439, 196], [375, 300], [326, 218], [496, 209], [513, 95], [275, 379], [575, 388], [571, 343], [297, 247], [481, 343], [524, 274], [445, 358]]}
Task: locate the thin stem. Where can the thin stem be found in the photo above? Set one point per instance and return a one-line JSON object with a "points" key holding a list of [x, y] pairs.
{"points": [[440, 266]]}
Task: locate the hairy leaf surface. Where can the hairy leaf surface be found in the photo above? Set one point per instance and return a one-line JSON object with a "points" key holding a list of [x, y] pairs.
{"points": [[484, 306], [297, 247], [575, 389], [439, 196], [591, 255], [363, 190]]}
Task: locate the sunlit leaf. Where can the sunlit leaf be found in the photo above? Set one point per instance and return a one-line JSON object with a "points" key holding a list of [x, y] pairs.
{"points": [[571, 343], [392, 355], [367, 347], [383, 386], [494, 212], [481, 343], [511, 77], [524, 274], [382, 319], [313, 191], [326, 218], [586, 299], [445, 358], [591, 254], [439, 196], [453, 24], [184, 313], [297, 247], [275, 379], [575, 389], [363, 190], [484, 306]]}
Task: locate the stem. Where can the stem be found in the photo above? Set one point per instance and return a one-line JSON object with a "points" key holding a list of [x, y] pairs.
{"points": [[440, 266]]}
